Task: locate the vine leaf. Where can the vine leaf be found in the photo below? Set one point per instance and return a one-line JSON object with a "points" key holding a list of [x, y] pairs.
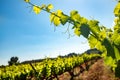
{"points": [[74, 12], [52, 16], [85, 31], [117, 40], [77, 31], [55, 17], [110, 62], [56, 21], [117, 53], [74, 15], [49, 7], [102, 35], [27, 1], [117, 10], [94, 26], [109, 48], [36, 9], [92, 42], [64, 19]]}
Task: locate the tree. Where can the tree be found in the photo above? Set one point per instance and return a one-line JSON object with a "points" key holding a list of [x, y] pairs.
{"points": [[13, 60], [99, 37]]}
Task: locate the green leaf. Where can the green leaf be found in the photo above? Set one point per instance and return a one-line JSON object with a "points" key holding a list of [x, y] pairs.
{"points": [[117, 69], [74, 15], [74, 12], [36, 9], [117, 9], [92, 41], [64, 19], [27, 1], [117, 40], [109, 47], [102, 35], [117, 53], [77, 31], [114, 36], [55, 17], [49, 7], [43, 6], [101, 47], [116, 20], [52, 16], [83, 20], [94, 26], [77, 25], [85, 31], [56, 21], [110, 62]]}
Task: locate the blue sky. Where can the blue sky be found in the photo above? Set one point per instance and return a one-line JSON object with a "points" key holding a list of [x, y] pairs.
{"points": [[30, 36]]}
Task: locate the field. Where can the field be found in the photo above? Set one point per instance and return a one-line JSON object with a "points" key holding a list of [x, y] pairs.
{"points": [[68, 68]]}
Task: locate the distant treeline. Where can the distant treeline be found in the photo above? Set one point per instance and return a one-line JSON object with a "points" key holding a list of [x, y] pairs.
{"points": [[40, 60], [68, 55]]}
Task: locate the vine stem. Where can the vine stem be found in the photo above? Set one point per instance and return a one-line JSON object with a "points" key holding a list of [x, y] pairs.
{"points": [[69, 21]]}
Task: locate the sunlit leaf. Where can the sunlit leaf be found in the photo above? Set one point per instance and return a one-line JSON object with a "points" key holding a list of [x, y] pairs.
{"points": [[74, 12], [74, 15], [56, 21], [64, 19], [55, 18], [77, 25], [102, 35], [49, 7], [92, 41], [52, 16], [94, 25], [43, 6], [117, 10], [77, 31], [110, 62], [83, 20], [27, 1], [114, 37], [59, 13], [117, 40], [117, 53], [36, 9]]}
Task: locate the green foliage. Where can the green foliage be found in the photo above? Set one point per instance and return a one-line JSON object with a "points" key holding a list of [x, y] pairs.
{"points": [[117, 69], [85, 31], [64, 19], [117, 10], [36, 9], [49, 7], [27, 1], [45, 69], [13, 61], [55, 17], [117, 53], [74, 15], [105, 40], [110, 61]]}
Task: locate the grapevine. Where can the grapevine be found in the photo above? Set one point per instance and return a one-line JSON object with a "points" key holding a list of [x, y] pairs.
{"points": [[106, 40], [47, 69]]}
